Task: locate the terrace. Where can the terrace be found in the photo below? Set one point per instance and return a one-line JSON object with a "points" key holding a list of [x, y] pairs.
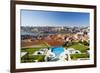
{"points": [[43, 53]]}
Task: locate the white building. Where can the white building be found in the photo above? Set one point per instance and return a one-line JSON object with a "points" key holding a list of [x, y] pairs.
{"points": [[63, 56]]}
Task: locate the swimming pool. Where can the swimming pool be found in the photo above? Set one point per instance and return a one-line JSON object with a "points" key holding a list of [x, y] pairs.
{"points": [[57, 50]]}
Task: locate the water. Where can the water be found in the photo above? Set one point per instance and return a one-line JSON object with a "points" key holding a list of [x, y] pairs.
{"points": [[57, 50]]}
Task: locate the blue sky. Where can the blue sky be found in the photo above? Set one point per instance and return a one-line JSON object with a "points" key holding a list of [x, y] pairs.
{"points": [[53, 18]]}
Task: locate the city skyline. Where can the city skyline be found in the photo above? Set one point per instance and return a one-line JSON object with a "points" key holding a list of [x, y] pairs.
{"points": [[53, 18]]}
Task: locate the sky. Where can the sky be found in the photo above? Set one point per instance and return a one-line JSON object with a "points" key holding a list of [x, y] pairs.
{"points": [[53, 18]]}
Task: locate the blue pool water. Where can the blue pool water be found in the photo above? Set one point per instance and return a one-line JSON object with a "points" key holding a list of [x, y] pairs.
{"points": [[57, 50]]}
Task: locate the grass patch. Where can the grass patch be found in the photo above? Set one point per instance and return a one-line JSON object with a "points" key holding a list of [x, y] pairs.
{"points": [[31, 58], [40, 58], [30, 50], [76, 56], [79, 47], [35, 48]]}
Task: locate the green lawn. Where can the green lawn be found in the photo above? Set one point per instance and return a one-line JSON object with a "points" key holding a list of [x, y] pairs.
{"points": [[76, 56], [35, 48], [30, 50], [79, 47], [31, 58]]}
